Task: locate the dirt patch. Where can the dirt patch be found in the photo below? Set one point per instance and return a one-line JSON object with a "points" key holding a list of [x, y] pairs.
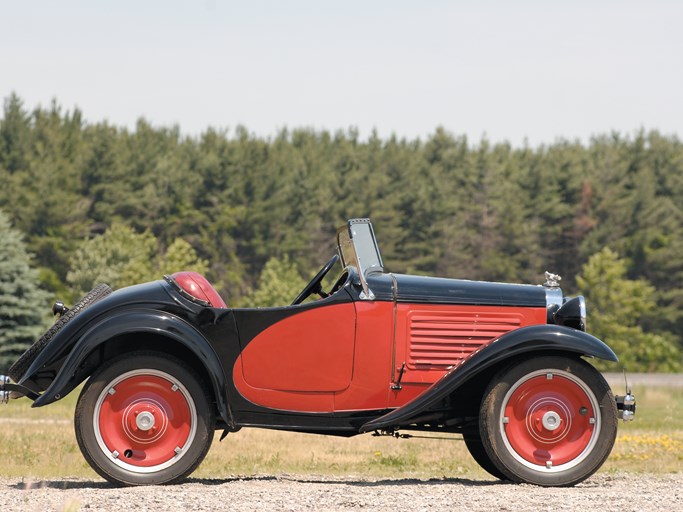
{"points": [[618, 493]]}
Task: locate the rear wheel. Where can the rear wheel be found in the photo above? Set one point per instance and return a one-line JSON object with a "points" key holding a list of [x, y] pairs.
{"points": [[144, 419], [549, 421]]}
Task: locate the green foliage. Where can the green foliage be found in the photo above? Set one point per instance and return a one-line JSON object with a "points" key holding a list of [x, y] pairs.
{"points": [[278, 284], [22, 302], [180, 255], [121, 257], [618, 306], [440, 206]]}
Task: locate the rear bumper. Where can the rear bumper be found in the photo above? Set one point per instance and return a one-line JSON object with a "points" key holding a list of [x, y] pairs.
{"points": [[626, 406], [9, 390]]}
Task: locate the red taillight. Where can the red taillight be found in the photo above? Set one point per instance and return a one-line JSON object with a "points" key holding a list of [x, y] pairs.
{"points": [[198, 287]]}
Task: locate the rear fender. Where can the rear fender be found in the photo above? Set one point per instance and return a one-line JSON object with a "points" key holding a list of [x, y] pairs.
{"points": [[527, 340], [139, 321], [142, 296]]}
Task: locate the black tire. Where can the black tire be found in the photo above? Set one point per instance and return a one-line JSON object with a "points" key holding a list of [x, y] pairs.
{"points": [[476, 448], [17, 370], [127, 448], [549, 421]]}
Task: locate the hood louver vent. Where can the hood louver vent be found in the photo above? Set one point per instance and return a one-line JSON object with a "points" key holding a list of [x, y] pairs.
{"points": [[445, 338]]}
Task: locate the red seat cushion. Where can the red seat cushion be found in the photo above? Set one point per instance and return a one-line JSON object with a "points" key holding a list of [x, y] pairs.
{"points": [[197, 285]]}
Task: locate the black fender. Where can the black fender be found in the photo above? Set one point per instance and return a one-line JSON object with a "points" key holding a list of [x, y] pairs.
{"points": [[152, 295], [140, 321], [527, 340]]}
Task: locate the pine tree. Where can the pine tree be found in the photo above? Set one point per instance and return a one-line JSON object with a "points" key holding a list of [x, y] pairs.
{"points": [[22, 302], [617, 306], [15, 132]]}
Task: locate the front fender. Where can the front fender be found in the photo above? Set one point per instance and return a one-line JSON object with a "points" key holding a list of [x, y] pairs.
{"points": [[139, 321], [535, 338]]}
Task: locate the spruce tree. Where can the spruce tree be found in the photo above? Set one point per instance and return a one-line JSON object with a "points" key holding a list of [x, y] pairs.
{"points": [[22, 302]]}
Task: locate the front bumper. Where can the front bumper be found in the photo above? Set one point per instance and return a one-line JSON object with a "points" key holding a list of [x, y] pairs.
{"points": [[9, 390]]}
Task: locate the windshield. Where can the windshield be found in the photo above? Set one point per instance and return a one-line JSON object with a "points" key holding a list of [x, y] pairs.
{"points": [[358, 247]]}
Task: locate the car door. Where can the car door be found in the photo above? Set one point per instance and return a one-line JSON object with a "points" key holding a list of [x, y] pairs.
{"points": [[296, 357]]}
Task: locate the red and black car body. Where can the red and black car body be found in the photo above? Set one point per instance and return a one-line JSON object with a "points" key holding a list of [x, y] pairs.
{"points": [[167, 363]]}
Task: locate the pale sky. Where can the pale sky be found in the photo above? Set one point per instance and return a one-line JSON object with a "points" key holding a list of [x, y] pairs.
{"points": [[508, 70]]}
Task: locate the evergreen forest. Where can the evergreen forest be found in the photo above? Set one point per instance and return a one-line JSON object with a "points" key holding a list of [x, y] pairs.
{"points": [[606, 215]]}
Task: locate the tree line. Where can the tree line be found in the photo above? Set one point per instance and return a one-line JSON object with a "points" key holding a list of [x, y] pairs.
{"points": [[228, 201]]}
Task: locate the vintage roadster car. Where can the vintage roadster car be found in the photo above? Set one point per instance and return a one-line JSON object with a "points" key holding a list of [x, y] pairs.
{"points": [[168, 363]]}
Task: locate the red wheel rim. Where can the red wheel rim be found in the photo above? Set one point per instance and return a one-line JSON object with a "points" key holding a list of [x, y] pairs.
{"points": [[144, 420], [549, 420]]}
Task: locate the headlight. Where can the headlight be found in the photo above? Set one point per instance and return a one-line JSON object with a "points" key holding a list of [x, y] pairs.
{"points": [[572, 314]]}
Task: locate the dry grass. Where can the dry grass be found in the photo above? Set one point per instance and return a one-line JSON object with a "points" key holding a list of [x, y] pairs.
{"points": [[40, 443], [652, 443], [255, 451]]}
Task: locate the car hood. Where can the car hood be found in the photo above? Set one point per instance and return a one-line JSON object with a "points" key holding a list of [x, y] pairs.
{"points": [[419, 289]]}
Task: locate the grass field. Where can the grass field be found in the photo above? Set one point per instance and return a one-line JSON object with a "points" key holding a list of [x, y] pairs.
{"points": [[40, 443]]}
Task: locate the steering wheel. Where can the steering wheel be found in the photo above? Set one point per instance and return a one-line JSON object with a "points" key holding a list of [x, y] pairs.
{"points": [[314, 286]]}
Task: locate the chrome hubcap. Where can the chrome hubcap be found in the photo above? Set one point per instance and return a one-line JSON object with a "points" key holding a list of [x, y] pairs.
{"points": [[145, 420], [551, 420]]}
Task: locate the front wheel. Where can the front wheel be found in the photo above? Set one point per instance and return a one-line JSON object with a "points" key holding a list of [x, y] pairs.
{"points": [[549, 421], [143, 420]]}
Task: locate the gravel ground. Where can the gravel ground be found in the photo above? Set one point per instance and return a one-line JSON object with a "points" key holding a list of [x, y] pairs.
{"points": [[603, 492], [618, 493]]}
